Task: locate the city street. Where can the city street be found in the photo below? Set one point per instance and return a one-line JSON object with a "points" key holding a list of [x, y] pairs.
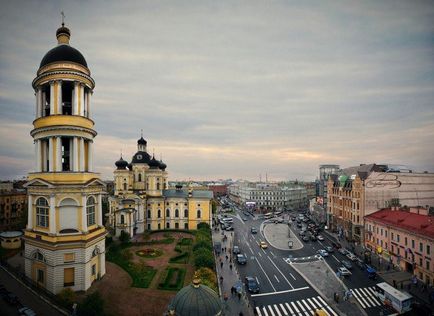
{"points": [[283, 290]]}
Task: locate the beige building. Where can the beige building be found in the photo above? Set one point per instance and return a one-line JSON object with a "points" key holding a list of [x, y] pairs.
{"points": [[143, 201], [13, 203], [404, 237], [362, 190], [64, 238]]}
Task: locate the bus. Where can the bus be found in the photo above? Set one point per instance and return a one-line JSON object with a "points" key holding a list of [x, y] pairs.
{"points": [[400, 301], [268, 215]]}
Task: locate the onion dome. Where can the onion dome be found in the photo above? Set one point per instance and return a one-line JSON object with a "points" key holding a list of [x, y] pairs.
{"points": [[154, 163], [141, 157], [121, 164], [142, 141], [130, 166], [163, 166], [63, 52], [196, 300]]}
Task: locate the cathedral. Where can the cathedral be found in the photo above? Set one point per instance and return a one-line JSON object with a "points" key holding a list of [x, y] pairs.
{"points": [[142, 200], [65, 237]]}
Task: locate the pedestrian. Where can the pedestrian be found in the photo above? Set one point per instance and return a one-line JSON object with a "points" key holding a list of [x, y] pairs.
{"points": [[239, 296], [337, 298], [225, 296], [221, 279], [227, 257], [221, 264], [240, 314], [394, 283], [334, 296], [232, 291], [230, 266]]}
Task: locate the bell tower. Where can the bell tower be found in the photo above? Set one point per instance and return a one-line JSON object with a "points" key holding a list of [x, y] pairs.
{"points": [[65, 236]]}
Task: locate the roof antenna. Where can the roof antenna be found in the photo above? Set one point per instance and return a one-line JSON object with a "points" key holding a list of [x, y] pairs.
{"points": [[141, 132], [63, 18], [121, 153]]}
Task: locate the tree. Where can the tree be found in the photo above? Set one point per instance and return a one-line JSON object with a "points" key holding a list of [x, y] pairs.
{"points": [[124, 237], [204, 259], [92, 305], [67, 297]]}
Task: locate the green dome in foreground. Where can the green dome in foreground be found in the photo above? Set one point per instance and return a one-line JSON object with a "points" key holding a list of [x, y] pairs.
{"points": [[196, 300]]}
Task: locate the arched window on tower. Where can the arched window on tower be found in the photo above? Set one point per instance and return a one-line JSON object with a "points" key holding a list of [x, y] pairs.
{"points": [[122, 219], [90, 211], [149, 213], [42, 211], [198, 214], [176, 213], [168, 213], [140, 177], [125, 186], [158, 186], [185, 213], [159, 213]]}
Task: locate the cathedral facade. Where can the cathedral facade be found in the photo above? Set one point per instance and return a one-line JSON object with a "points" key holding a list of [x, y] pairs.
{"points": [[142, 200], [65, 237]]}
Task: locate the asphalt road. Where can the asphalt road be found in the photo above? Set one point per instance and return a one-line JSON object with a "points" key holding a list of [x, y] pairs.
{"points": [[282, 289]]}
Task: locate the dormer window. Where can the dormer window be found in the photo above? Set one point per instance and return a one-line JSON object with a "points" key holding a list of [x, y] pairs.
{"points": [[139, 157]]}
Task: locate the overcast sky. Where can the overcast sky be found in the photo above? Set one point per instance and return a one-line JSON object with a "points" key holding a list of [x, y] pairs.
{"points": [[233, 89]]}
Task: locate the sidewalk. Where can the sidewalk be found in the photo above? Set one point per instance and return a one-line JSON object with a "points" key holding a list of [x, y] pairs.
{"points": [[390, 274], [234, 305]]}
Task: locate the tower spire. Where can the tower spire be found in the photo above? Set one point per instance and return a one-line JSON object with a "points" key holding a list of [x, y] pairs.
{"points": [[63, 18]]}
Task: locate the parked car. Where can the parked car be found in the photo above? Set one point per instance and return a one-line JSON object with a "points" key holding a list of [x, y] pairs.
{"points": [[25, 311], [305, 238], [229, 228], [359, 262], [299, 225], [241, 259], [343, 251], [351, 256], [313, 237], [320, 238], [253, 230], [344, 271], [278, 220], [336, 245], [252, 285], [347, 264], [236, 250], [329, 249], [244, 218], [323, 253], [263, 245]]}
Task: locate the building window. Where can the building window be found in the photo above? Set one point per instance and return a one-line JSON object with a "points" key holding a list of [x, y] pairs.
{"points": [[159, 214], [199, 214], [185, 213], [149, 226], [385, 233], [392, 236], [381, 232], [149, 213], [176, 225], [122, 219], [68, 277], [405, 241], [158, 186], [40, 276], [140, 177], [420, 262], [428, 250], [427, 265], [420, 247], [397, 237], [412, 244], [68, 257], [168, 213], [185, 225], [42, 211], [167, 225], [94, 269], [159, 226], [90, 211], [176, 213], [39, 256], [125, 186]]}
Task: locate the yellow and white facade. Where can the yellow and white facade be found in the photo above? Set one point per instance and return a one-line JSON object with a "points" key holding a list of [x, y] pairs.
{"points": [[142, 200], [65, 236]]}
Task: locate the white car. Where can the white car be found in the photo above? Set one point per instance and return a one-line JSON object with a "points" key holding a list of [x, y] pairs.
{"points": [[320, 238], [323, 253], [351, 256], [344, 271]]}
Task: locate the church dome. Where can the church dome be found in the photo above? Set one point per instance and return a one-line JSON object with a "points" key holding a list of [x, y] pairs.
{"points": [[196, 300], [163, 166], [141, 157], [154, 163], [142, 141], [121, 164], [63, 52]]}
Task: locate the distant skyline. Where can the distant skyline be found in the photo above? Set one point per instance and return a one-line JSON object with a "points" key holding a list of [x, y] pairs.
{"points": [[233, 89]]}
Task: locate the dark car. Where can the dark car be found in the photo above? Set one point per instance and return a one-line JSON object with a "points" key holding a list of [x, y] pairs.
{"points": [[336, 245], [329, 249], [241, 259], [313, 237], [299, 225], [305, 238], [252, 285], [347, 264], [253, 230], [236, 250]]}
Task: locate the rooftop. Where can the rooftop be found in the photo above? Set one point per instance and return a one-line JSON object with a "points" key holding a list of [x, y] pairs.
{"points": [[422, 224]]}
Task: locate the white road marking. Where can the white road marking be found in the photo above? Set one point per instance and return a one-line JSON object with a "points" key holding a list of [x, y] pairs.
{"points": [[307, 305], [257, 280], [328, 307], [258, 311], [289, 307], [265, 274], [280, 292], [271, 310], [280, 272], [276, 279], [292, 276], [335, 258], [259, 254], [295, 307], [301, 306], [283, 309], [250, 249], [272, 253]]}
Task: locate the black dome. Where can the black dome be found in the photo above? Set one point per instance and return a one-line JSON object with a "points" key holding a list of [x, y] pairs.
{"points": [[154, 163], [63, 52], [121, 164], [163, 166], [141, 157], [142, 141]]}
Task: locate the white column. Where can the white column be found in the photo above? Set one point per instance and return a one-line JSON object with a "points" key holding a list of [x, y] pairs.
{"points": [[75, 153], [58, 154], [52, 220], [43, 155], [81, 159], [50, 154], [89, 94], [99, 214], [38, 102], [82, 105], [44, 101], [90, 156], [51, 97], [84, 213], [29, 212], [75, 99], [59, 97]]}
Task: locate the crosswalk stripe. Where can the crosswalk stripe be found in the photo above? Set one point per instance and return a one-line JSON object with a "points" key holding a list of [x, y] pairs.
{"points": [[277, 310], [301, 306], [356, 295], [271, 310], [295, 307], [368, 297], [307, 305], [373, 295], [332, 312], [312, 303], [290, 309], [258, 311], [283, 309], [265, 311]]}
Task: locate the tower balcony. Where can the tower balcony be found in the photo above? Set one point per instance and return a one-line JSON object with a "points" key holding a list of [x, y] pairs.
{"points": [[65, 177], [63, 120]]}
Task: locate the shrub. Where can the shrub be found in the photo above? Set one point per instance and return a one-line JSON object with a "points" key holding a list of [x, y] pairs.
{"points": [[185, 241], [203, 226], [182, 258], [124, 237], [108, 240], [203, 244], [207, 277], [67, 297], [172, 278], [203, 258], [92, 305]]}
